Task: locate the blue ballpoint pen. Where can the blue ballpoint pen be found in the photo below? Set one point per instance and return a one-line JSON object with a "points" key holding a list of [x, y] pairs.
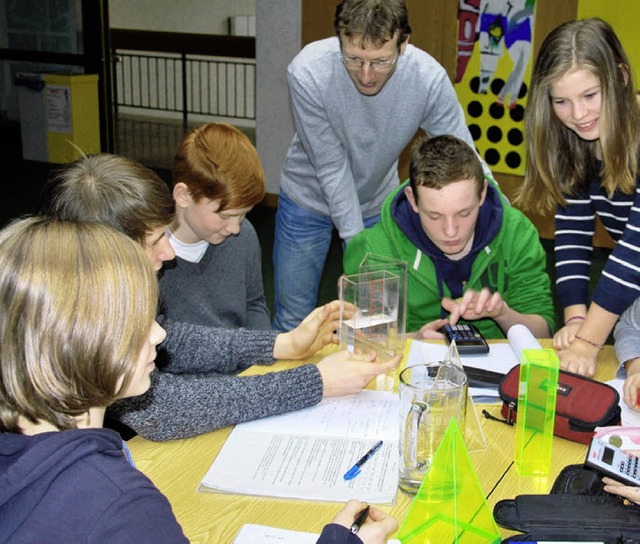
{"points": [[355, 469]]}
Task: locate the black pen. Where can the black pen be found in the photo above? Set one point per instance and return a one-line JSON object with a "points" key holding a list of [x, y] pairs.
{"points": [[360, 519], [355, 469]]}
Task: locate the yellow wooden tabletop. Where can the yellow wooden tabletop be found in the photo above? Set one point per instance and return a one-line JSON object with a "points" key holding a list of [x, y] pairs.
{"points": [[176, 467]]}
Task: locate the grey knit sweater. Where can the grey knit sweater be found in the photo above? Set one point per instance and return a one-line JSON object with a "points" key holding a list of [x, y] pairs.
{"points": [[194, 390], [223, 289]]}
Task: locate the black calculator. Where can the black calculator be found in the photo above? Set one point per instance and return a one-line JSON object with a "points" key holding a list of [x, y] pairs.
{"points": [[469, 340]]}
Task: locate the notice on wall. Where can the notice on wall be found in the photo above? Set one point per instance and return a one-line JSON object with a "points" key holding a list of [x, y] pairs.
{"points": [[59, 109]]}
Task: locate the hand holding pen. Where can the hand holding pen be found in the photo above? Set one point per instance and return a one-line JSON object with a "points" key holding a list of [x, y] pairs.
{"points": [[360, 519], [374, 528]]}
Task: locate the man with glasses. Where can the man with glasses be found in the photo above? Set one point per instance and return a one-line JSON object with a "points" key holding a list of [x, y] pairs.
{"points": [[358, 99]]}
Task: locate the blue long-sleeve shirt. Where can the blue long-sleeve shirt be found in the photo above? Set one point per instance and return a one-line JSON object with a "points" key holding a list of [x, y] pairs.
{"points": [[619, 284], [77, 486]]}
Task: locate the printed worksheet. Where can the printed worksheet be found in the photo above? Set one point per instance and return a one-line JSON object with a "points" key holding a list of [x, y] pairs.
{"points": [[261, 534], [501, 358], [305, 454]]}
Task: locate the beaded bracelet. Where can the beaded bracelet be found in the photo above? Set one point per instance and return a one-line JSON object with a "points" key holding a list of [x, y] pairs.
{"points": [[599, 346], [574, 318]]}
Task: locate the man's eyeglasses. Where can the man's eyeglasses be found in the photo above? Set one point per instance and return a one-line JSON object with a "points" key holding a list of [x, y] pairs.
{"points": [[379, 65]]}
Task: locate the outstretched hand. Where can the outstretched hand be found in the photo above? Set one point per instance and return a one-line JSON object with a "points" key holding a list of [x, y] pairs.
{"points": [[430, 331], [377, 527], [317, 330], [346, 373]]}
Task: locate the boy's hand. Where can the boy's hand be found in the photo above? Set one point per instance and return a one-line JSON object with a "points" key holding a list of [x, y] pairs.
{"points": [[474, 305], [430, 331], [346, 373], [376, 529], [317, 330]]}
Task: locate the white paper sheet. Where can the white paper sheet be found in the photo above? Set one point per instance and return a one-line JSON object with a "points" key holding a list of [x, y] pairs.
{"points": [[305, 454], [628, 416], [501, 357], [261, 534], [369, 414]]}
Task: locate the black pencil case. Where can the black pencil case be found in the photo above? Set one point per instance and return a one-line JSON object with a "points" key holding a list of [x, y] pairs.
{"points": [[577, 518], [479, 377], [578, 509]]}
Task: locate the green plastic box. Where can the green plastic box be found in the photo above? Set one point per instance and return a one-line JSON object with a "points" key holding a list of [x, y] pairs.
{"points": [[539, 369]]}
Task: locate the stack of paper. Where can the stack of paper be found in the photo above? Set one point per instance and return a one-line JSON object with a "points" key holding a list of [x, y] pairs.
{"points": [[305, 454]]}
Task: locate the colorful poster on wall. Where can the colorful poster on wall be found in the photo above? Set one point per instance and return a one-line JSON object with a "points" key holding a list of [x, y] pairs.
{"points": [[492, 75]]}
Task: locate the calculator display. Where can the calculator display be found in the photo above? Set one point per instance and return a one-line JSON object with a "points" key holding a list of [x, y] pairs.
{"points": [[607, 456]]}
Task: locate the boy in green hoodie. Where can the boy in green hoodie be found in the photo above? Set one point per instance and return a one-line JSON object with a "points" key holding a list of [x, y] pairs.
{"points": [[471, 256]]}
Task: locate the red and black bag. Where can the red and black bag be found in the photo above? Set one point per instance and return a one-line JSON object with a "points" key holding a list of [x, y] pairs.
{"points": [[582, 404]]}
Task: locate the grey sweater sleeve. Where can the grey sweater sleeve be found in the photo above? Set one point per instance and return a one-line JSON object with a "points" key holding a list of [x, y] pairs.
{"points": [[627, 336], [184, 405], [193, 349]]}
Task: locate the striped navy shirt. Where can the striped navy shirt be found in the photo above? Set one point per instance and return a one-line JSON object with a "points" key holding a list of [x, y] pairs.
{"points": [[619, 284]]}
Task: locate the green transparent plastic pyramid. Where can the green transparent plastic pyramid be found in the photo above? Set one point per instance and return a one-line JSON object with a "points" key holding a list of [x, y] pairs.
{"points": [[450, 505]]}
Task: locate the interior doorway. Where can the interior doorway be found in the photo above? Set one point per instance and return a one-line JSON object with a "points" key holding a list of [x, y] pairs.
{"points": [[59, 36]]}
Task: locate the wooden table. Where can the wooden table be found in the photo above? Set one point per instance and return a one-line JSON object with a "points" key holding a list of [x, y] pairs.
{"points": [[176, 467]]}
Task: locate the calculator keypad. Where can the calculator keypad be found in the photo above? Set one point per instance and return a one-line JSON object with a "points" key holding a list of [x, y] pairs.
{"points": [[468, 339], [462, 332], [630, 466]]}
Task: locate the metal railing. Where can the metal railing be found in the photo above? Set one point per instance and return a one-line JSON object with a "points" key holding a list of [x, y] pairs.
{"points": [[190, 74]]}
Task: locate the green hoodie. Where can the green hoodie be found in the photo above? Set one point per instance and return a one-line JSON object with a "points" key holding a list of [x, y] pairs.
{"points": [[512, 263]]}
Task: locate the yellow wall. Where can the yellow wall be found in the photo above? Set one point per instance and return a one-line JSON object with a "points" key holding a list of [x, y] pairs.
{"points": [[623, 16]]}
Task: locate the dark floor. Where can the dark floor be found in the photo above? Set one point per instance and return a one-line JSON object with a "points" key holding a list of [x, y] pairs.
{"points": [[24, 181]]}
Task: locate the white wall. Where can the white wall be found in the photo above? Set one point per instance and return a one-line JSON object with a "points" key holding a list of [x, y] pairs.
{"points": [[278, 40], [197, 16]]}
